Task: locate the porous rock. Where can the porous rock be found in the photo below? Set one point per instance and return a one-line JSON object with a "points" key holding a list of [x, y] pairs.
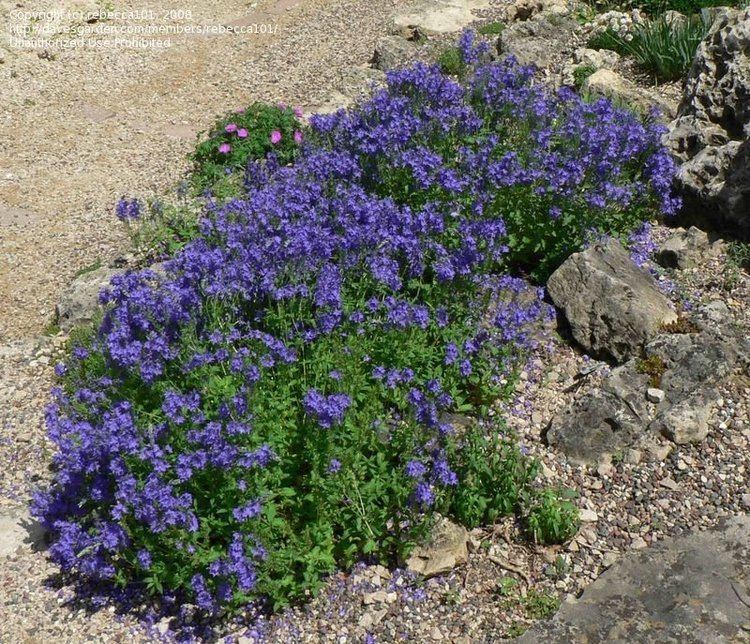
{"points": [[711, 133]]}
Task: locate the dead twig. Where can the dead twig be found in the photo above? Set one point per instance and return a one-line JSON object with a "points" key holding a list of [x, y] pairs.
{"points": [[506, 565]]}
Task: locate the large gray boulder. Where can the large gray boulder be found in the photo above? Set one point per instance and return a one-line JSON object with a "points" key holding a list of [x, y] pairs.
{"points": [[712, 131], [688, 589], [539, 41], [613, 307], [391, 52]]}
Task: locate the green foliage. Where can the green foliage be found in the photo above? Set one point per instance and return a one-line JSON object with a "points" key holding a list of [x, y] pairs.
{"points": [[163, 229], [211, 165], [737, 263], [581, 73], [451, 63], [654, 367], [664, 48], [540, 605], [552, 518], [492, 28], [495, 475]]}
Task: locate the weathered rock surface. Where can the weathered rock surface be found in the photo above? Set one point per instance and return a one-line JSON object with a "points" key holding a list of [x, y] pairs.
{"points": [[688, 589], [18, 529], [79, 303], [712, 130], [538, 41], [611, 85], [445, 550], [438, 16], [625, 410], [685, 249], [613, 307], [357, 82], [392, 51]]}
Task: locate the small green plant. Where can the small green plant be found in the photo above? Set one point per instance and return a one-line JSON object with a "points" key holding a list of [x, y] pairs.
{"points": [[654, 367], [496, 475], [517, 629], [492, 29], [94, 266], [737, 263], [243, 136], [581, 73], [552, 518], [451, 63], [506, 586], [540, 605]]}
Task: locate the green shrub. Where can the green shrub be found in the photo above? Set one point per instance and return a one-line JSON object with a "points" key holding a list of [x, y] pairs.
{"points": [[451, 62], [552, 518], [244, 136], [581, 73], [492, 29]]}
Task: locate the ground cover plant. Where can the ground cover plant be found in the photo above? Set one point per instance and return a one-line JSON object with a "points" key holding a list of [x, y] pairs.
{"points": [[271, 406], [249, 133]]}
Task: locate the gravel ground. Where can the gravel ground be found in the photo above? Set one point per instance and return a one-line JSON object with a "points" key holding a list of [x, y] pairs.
{"points": [[80, 128]]}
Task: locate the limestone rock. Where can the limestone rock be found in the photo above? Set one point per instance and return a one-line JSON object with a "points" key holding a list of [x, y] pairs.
{"points": [[439, 16], [685, 249], [687, 421], [605, 82], [445, 550], [18, 529], [538, 41], [692, 588], [392, 51], [613, 307], [79, 303], [615, 416]]}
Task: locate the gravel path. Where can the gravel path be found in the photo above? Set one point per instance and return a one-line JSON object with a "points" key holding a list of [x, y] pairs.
{"points": [[83, 127]]}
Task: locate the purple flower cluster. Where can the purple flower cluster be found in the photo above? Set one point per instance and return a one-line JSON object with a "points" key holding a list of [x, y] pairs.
{"points": [[390, 208]]}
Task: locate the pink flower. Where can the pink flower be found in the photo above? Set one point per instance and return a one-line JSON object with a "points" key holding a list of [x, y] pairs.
{"points": [[240, 111], [282, 106], [275, 137], [225, 148], [231, 127], [298, 137], [298, 112], [242, 133]]}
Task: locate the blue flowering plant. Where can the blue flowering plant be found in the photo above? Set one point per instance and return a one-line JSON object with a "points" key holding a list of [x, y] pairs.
{"points": [[276, 403]]}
